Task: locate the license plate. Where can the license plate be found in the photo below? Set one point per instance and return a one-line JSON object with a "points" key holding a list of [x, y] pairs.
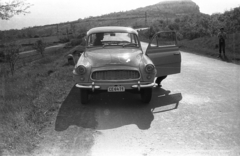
{"points": [[116, 89]]}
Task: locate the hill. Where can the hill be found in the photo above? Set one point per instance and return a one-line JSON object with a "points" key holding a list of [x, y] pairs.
{"points": [[174, 7], [145, 16], [166, 10]]}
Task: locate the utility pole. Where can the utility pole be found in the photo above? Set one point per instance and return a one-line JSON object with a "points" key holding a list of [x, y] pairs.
{"points": [[72, 26], [67, 33], [57, 31], [145, 18], [3, 70]]}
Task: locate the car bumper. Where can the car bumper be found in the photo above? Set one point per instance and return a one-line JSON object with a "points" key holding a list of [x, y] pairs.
{"points": [[138, 86]]}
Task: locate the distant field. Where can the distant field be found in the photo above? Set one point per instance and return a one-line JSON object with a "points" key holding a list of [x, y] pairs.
{"points": [[50, 39], [27, 43]]}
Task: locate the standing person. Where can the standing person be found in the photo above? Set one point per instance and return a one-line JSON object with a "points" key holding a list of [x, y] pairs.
{"points": [[98, 40], [221, 38]]}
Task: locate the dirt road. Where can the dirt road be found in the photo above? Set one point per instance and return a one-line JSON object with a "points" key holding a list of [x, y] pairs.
{"points": [[196, 112], [31, 51]]}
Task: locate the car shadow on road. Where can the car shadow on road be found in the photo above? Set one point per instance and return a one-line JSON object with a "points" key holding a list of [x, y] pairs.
{"points": [[113, 110]]}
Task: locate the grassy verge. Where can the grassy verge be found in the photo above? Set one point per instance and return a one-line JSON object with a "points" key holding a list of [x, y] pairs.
{"points": [[28, 100], [208, 46]]}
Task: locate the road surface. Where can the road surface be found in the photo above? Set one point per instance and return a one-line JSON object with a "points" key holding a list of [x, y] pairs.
{"points": [[31, 51], [196, 112]]}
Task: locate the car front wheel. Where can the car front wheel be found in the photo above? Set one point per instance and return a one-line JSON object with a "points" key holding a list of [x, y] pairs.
{"points": [[84, 95], [146, 95]]}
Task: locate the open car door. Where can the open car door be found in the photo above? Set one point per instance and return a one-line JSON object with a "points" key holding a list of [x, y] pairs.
{"points": [[164, 53]]}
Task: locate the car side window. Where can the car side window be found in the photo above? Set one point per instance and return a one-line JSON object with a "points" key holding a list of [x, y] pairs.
{"points": [[91, 40], [136, 39], [133, 39], [164, 39]]}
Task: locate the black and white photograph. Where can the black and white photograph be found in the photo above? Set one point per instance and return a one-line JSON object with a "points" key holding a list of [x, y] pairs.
{"points": [[119, 78]]}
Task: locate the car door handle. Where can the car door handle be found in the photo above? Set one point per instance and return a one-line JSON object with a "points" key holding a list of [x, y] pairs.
{"points": [[176, 53]]}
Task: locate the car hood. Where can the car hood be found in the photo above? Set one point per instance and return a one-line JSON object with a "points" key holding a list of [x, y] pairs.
{"points": [[111, 57]]}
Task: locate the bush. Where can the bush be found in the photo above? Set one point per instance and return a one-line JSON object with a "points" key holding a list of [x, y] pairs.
{"points": [[75, 42], [2, 56], [11, 52], [39, 46], [81, 35], [64, 40]]}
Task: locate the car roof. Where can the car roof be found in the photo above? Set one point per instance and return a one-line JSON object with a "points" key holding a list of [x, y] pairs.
{"points": [[115, 29]]}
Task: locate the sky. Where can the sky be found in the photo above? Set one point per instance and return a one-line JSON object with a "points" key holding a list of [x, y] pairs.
{"points": [[43, 12]]}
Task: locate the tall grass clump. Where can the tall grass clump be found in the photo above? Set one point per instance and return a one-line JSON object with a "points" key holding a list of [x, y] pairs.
{"points": [[27, 100], [19, 129]]}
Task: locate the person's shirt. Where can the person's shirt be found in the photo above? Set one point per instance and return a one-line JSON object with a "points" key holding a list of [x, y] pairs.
{"points": [[97, 42], [222, 36]]}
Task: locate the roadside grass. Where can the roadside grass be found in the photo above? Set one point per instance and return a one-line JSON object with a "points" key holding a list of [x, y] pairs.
{"points": [[28, 100], [208, 46]]}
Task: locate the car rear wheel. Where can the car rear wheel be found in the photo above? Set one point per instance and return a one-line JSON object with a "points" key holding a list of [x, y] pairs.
{"points": [[84, 96], [146, 95]]}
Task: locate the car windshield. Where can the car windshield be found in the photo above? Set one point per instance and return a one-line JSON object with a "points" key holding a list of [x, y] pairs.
{"points": [[112, 39]]}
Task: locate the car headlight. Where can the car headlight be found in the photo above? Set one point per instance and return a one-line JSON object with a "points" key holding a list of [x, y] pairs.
{"points": [[81, 70], [149, 68]]}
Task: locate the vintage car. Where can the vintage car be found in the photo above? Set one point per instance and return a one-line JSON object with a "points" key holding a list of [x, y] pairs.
{"points": [[114, 61]]}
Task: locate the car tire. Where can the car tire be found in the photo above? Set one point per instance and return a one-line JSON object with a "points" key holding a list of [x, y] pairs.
{"points": [[84, 95], [146, 95], [70, 61]]}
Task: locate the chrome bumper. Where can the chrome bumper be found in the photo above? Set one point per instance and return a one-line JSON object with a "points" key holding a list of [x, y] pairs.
{"points": [[138, 86], [93, 87]]}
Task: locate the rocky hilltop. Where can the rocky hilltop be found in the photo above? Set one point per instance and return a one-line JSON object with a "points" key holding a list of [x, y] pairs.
{"points": [[172, 7]]}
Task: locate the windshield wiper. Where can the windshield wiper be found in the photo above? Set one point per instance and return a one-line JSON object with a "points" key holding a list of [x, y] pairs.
{"points": [[108, 44], [130, 44], [111, 43]]}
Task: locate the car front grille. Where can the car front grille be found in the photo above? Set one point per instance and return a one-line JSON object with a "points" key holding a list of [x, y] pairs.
{"points": [[115, 75]]}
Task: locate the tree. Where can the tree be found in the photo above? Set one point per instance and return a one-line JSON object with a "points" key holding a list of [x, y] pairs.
{"points": [[39, 46], [73, 28], [14, 7], [11, 52]]}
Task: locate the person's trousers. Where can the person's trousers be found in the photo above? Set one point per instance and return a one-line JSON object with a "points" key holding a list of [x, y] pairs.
{"points": [[159, 79], [222, 47]]}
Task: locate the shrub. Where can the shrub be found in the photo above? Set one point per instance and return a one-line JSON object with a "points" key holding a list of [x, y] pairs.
{"points": [[39, 46], [75, 42], [64, 40], [11, 55]]}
